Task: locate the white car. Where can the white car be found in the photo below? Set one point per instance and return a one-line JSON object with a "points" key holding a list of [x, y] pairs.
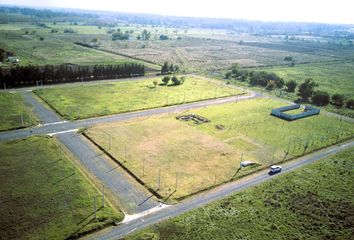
{"points": [[275, 169]]}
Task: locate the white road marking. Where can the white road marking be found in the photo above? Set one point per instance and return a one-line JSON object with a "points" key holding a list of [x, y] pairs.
{"points": [[54, 123], [67, 131], [128, 218]]}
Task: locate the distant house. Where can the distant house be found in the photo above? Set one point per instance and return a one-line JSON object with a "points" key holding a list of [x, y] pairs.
{"points": [[14, 60]]}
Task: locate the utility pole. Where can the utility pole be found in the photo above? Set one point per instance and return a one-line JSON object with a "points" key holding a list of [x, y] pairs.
{"points": [[5, 87], [21, 119], [109, 139], [143, 167], [159, 180], [102, 195], [94, 206]]}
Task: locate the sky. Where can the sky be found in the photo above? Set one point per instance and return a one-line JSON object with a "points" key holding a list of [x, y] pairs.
{"points": [[326, 11]]}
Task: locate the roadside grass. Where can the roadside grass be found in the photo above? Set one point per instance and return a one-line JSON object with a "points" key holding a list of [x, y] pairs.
{"points": [[314, 202], [209, 154], [11, 107], [90, 101], [43, 195]]}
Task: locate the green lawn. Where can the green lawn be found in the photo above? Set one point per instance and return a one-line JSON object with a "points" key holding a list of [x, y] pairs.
{"points": [[209, 154], [314, 202], [89, 101], [11, 107], [43, 194]]}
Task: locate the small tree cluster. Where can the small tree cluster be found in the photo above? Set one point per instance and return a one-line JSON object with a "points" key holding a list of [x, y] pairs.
{"points": [[175, 80], [169, 68], [255, 78]]}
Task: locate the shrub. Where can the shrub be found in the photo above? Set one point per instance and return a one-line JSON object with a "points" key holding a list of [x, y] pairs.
{"points": [[338, 100], [175, 80], [290, 86], [320, 98], [350, 104], [165, 80]]}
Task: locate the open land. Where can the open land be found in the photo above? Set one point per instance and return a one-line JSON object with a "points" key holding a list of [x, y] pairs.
{"points": [[44, 195], [96, 100], [209, 154], [12, 106], [310, 203]]}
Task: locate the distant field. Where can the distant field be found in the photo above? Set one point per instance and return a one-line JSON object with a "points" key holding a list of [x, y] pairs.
{"points": [[335, 77], [89, 101], [195, 54], [31, 50], [210, 153], [43, 196], [315, 202], [11, 107]]}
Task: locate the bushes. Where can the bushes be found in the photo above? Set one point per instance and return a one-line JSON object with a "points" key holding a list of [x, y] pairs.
{"points": [[290, 86], [320, 98], [175, 80], [338, 100]]}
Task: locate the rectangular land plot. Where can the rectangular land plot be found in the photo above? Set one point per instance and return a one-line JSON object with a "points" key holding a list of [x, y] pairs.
{"points": [[104, 99], [12, 106], [210, 153], [309, 203], [43, 196]]}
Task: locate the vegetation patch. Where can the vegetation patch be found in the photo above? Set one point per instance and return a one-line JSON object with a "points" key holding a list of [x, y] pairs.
{"points": [[203, 155], [14, 112], [44, 195], [315, 202], [89, 101]]}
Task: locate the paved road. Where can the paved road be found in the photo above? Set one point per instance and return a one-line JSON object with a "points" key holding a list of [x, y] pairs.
{"points": [[64, 126], [132, 198], [219, 193], [44, 114]]}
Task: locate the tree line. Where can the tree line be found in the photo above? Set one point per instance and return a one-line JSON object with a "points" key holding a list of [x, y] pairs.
{"points": [[32, 75], [306, 90]]}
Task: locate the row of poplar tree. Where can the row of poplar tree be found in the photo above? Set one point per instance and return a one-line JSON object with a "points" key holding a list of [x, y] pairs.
{"points": [[33, 75]]}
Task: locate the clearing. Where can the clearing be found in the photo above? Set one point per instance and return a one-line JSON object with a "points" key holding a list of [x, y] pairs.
{"points": [[96, 100], [44, 195]]}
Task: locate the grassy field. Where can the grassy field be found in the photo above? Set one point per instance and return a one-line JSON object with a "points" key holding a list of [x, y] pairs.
{"points": [[89, 101], [315, 202], [43, 195], [31, 50], [11, 107], [335, 77], [209, 154]]}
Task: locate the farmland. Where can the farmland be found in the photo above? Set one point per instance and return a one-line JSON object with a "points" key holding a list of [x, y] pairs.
{"points": [[209, 154], [44, 195], [82, 102], [31, 50], [309, 203], [12, 107]]}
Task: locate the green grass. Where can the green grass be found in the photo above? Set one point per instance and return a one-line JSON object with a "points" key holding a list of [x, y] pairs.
{"points": [[89, 101], [172, 147], [11, 107], [251, 120], [43, 195], [206, 155], [335, 77], [314, 202], [52, 50]]}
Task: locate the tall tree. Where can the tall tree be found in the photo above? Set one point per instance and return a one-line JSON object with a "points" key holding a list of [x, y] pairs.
{"points": [[306, 88]]}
